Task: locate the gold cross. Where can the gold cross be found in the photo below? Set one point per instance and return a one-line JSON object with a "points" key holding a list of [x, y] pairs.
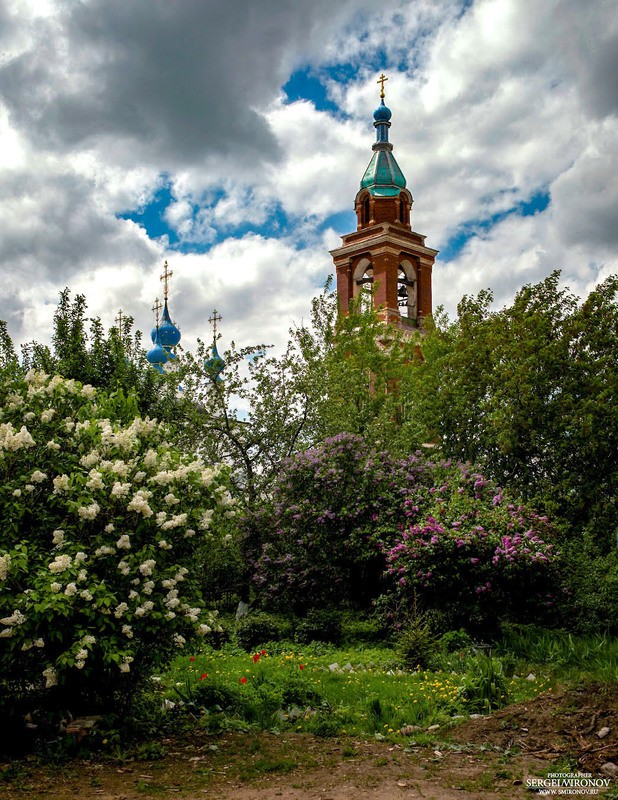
{"points": [[156, 308], [118, 321], [216, 317], [381, 80], [167, 274]]}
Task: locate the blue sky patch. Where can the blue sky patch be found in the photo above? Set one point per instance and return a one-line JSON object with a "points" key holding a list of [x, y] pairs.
{"points": [[525, 208], [537, 203], [342, 222], [151, 218], [304, 85]]}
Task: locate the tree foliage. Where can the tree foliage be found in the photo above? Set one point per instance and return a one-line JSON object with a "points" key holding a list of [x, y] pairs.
{"points": [[336, 375], [81, 350], [530, 393], [527, 392]]}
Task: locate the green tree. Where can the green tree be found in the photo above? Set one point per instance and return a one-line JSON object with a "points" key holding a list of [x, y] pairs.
{"points": [[9, 363], [81, 350], [530, 393], [336, 375], [364, 366]]}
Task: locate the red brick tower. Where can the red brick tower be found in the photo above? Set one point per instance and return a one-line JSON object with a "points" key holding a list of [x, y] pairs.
{"points": [[385, 254]]}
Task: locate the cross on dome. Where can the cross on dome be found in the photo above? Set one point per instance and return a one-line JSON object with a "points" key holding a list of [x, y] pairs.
{"points": [[216, 317], [381, 80], [165, 277], [214, 365], [166, 334], [156, 308]]}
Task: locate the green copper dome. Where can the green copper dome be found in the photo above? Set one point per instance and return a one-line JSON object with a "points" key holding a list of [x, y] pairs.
{"points": [[383, 177]]}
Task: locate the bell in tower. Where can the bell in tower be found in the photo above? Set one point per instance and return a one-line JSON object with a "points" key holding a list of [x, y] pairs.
{"points": [[384, 254]]}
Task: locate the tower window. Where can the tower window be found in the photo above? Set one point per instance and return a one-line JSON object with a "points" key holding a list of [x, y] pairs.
{"points": [[365, 212]]}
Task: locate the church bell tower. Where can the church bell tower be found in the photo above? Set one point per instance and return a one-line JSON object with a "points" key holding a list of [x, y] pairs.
{"points": [[384, 258]]}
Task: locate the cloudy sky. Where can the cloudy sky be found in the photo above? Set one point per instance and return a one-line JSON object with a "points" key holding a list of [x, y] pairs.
{"points": [[230, 136]]}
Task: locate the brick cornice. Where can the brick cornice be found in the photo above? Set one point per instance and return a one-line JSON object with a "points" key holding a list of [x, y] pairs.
{"points": [[386, 243]]}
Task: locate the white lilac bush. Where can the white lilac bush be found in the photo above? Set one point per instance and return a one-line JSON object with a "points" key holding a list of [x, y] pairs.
{"points": [[102, 526]]}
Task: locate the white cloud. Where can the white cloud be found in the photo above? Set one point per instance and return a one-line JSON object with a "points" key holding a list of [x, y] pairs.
{"points": [[585, 196], [260, 285], [104, 103]]}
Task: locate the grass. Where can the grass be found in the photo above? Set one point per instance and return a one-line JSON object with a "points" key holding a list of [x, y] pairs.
{"points": [[291, 688], [298, 688], [483, 782], [286, 687], [565, 655]]}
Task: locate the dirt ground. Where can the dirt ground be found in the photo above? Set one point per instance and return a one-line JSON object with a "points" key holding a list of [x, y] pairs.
{"points": [[490, 757]]}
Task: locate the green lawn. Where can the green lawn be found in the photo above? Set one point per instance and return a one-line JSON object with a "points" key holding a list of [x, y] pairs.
{"points": [[289, 686]]}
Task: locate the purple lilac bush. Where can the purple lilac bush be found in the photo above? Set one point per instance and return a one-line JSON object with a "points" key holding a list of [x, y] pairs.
{"points": [[313, 545], [348, 524], [471, 552]]}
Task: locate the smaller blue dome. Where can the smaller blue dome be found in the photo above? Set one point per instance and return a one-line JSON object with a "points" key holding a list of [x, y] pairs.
{"points": [[169, 335], [382, 113], [215, 364], [157, 355]]}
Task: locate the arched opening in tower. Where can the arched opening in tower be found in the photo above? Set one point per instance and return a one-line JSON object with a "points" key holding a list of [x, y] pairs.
{"points": [[407, 291], [363, 284]]}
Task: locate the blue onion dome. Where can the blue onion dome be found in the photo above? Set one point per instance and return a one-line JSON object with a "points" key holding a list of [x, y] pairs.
{"points": [[157, 356], [153, 334], [169, 335], [382, 113]]}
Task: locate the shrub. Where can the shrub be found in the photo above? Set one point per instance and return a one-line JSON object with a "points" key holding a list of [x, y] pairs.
{"points": [[215, 695], [104, 527], [258, 628], [415, 643], [318, 547], [348, 524], [472, 554], [319, 626], [453, 641]]}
